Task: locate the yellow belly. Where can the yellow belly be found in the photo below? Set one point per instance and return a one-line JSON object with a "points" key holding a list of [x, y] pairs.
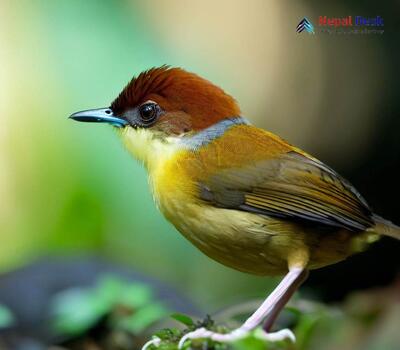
{"points": [[244, 241], [235, 239]]}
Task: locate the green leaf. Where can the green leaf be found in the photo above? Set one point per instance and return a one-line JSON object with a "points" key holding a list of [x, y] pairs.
{"points": [[254, 342], [168, 333], [109, 288], [135, 295], [249, 343], [143, 318], [186, 320], [77, 310], [294, 310], [305, 329], [6, 317]]}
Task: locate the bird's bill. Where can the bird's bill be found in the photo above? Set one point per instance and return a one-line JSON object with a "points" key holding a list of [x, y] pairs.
{"points": [[99, 115]]}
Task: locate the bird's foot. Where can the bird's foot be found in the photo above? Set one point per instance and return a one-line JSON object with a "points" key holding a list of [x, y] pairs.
{"points": [[155, 341], [237, 334]]}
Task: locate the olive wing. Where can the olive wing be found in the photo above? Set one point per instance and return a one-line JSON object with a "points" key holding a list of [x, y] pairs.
{"points": [[291, 186]]}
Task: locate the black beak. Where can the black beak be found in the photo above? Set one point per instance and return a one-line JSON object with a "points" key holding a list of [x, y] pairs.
{"points": [[99, 115]]}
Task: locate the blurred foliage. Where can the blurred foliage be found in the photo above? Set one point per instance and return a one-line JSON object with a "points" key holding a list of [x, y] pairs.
{"points": [[366, 321], [127, 306], [6, 317], [304, 327], [360, 323], [168, 339]]}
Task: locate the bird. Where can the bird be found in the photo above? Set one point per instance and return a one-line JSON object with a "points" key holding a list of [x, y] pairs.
{"points": [[242, 195]]}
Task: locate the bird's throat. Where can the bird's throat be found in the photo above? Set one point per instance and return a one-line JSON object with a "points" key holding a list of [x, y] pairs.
{"points": [[147, 147]]}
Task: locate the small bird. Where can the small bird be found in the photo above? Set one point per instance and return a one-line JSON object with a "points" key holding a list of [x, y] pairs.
{"points": [[240, 194]]}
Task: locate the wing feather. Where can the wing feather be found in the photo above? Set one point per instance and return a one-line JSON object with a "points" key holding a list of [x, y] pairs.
{"points": [[292, 186]]}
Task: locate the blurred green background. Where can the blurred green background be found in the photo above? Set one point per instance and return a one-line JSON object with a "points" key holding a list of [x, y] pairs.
{"points": [[69, 188]]}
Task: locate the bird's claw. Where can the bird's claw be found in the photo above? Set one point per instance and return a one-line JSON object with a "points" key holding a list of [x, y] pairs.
{"points": [[155, 341], [237, 334], [283, 334]]}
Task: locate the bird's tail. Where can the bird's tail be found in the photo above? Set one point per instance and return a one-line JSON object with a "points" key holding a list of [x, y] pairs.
{"points": [[385, 227]]}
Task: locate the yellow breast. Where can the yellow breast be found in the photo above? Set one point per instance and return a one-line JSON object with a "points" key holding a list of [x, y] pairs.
{"points": [[241, 240]]}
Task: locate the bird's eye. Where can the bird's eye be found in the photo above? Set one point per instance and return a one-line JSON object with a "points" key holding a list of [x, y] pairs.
{"points": [[148, 112]]}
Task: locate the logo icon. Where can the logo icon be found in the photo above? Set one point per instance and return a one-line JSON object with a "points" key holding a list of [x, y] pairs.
{"points": [[305, 25]]}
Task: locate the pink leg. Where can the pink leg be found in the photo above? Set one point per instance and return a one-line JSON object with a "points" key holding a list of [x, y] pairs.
{"points": [[280, 304], [277, 299], [269, 309]]}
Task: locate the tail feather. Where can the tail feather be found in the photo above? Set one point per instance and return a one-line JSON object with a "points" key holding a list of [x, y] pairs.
{"points": [[385, 227]]}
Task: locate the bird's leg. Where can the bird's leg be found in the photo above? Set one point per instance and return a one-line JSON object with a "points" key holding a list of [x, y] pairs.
{"points": [[269, 309], [280, 304]]}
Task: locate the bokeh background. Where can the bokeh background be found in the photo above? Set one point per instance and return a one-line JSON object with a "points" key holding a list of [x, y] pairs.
{"points": [[71, 189]]}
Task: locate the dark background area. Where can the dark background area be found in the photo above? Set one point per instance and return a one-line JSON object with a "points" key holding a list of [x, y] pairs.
{"points": [[375, 175]]}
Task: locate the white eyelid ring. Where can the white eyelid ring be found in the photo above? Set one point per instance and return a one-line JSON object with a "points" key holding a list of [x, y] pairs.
{"points": [[149, 101]]}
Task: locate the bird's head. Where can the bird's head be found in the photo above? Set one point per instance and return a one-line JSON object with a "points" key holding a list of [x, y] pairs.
{"points": [[162, 106]]}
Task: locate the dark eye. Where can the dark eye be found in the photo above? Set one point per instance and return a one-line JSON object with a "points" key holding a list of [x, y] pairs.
{"points": [[148, 112]]}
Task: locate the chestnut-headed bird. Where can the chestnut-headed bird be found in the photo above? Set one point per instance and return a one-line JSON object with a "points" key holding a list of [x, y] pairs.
{"points": [[240, 194]]}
